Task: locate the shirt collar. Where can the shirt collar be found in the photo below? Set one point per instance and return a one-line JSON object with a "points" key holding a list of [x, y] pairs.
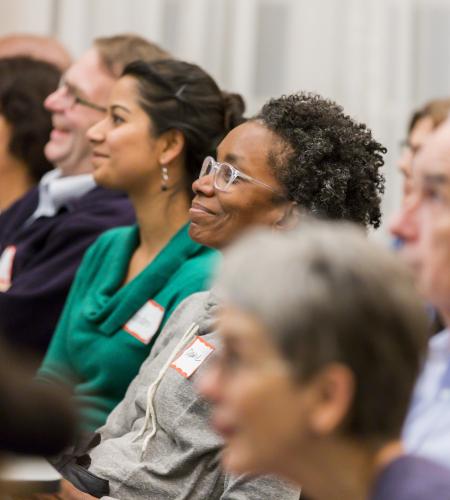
{"points": [[439, 345], [56, 191]]}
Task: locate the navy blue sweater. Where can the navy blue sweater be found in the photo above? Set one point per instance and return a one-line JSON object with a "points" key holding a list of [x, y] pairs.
{"points": [[48, 253]]}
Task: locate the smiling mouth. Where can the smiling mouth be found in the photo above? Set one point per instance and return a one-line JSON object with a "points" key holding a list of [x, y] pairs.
{"points": [[58, 132], [97, 154], [198, 208]]}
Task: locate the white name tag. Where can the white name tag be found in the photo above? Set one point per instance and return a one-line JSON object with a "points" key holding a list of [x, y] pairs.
{"points": [[145, 323], [192, 357], [6, 267]]}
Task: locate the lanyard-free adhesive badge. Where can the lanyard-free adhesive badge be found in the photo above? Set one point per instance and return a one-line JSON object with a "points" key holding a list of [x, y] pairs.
{"points": [[145, 323], [6, 267], [192, 357]]}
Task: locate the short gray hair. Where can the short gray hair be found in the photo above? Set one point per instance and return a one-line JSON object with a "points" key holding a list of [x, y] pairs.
{"points": [[327, 294]]}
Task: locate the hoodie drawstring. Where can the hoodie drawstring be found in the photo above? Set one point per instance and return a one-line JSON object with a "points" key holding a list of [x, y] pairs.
{"points": [[150, 414]]}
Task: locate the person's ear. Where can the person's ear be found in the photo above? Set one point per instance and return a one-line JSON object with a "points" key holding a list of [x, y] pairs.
{"points": [[171, 146], [289, 215], [334, 389]]}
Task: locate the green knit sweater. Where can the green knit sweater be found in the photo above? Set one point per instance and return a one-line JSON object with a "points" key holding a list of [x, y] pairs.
{"points": [[100, 342]]}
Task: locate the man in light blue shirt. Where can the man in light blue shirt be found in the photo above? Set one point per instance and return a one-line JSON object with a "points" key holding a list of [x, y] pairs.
{"points": [[424, 225], [427, 428]]}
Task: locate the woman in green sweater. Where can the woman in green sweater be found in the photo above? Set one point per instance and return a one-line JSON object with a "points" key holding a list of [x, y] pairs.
{"points": [[162, 120]]}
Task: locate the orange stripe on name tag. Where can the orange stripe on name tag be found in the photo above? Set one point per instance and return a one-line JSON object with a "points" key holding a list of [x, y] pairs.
{"points": [[192, 357]]}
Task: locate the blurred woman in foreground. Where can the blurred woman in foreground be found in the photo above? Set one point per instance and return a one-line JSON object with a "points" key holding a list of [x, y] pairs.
{"points": [[323, 338]]}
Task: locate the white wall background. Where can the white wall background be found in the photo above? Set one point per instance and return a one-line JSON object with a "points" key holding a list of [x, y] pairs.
{"points": [[378, 58]]}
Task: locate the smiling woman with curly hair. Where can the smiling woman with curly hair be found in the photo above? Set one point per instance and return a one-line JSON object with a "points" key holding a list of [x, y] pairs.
{"points": [[327, 162]]}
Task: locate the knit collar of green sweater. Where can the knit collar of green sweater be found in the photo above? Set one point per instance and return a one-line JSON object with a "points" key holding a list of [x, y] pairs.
{"points": [[111, 304]]}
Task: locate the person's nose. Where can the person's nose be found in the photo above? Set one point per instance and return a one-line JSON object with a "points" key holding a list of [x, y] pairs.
{"points": [[96, 133], [204, 185], [56, 101], [403, 224], [405, 162]]}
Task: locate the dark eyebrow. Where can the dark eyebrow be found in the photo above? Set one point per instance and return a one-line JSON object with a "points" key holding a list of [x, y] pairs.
{"points": [[230, 157], [436, 179], [236, 161], [119, 106]]}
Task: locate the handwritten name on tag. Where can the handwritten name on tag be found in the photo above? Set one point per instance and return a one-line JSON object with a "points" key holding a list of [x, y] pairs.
{"points": [[6, 267], [145, 323], [192, 357]]}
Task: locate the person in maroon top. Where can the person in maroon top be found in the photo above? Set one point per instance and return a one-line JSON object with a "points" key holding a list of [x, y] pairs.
{"points": [[323, 338], [44, 235]]}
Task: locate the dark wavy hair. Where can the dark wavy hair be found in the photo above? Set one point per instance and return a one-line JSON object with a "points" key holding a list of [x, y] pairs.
{"points": [[182, 96], [24, 85], [327, 162]]}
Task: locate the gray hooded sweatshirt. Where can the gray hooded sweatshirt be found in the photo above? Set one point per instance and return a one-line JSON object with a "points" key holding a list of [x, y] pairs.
{"points": [[173, 454]]}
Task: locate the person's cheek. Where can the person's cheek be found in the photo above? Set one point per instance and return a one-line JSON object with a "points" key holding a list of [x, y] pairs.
{"points": [[435, 279], [440, 242], [208, 385]]}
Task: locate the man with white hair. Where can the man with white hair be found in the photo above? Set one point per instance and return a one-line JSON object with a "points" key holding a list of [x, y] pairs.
{"points": [[44, 235], [424, 226]]}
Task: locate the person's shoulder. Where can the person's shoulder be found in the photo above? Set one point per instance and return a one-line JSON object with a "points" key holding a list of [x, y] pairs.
{"points": [[184, 315], [116, 233], [412, 477], [199, 265], [100, 195], [257, 487], [103, 207], [190, 308], [28, 200], [112, 237], [16, 215], [93, 214], [98, 256], [440, 341]]}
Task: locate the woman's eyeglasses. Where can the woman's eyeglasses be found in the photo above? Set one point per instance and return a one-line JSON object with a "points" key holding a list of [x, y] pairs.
{"points": [[225, 175]]}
